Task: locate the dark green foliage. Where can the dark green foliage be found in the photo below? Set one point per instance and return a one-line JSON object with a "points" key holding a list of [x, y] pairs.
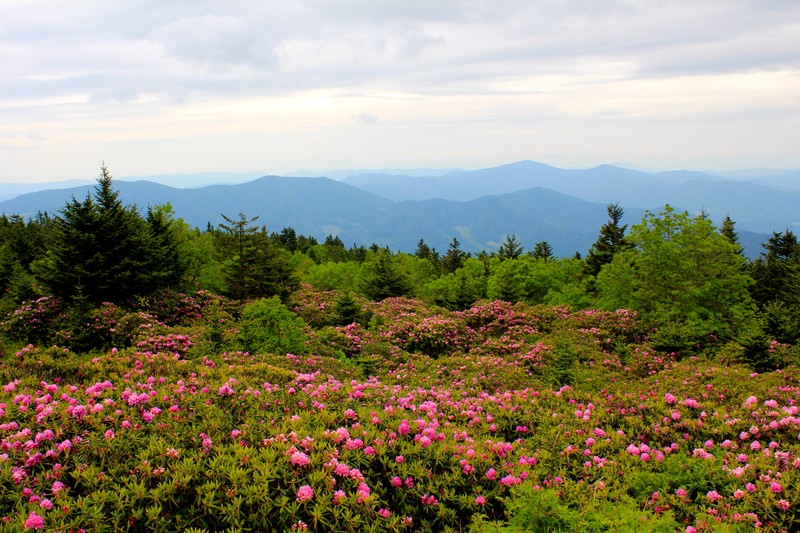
{"points": [[454, 258], [610, 241], [510, 248], [346, 309], [424, 251], [106, 252], [254, 266], [383, 279], [777, 286], [543, 251], [727, 230]]}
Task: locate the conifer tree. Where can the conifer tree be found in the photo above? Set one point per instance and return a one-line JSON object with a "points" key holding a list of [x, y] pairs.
{"points": [[254, 267], [454, 258], [510, 248], [543, 251], [383, 278], [727, 229], [610, 241], [776, 274]]}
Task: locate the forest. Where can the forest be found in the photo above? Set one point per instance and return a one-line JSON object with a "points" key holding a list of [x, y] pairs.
{"points": [[160, 377]]}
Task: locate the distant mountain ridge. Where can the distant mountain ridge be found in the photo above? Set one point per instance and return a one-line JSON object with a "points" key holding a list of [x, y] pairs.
{"points": [[537, 202]]}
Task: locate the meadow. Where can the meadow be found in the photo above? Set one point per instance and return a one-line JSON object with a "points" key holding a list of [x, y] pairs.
{"points": [[201, 413]]}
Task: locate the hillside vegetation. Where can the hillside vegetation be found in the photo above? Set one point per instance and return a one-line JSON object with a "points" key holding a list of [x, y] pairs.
{"points": [[162, 378]]}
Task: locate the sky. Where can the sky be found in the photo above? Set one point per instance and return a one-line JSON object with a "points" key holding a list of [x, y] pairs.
{"points": [[159, 86]]}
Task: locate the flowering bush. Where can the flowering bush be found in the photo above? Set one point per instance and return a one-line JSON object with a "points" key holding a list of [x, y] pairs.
{"points": [[526, 417]]}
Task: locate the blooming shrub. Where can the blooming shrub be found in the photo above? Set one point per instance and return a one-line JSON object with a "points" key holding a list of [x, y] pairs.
{"points": [[165, 436]]}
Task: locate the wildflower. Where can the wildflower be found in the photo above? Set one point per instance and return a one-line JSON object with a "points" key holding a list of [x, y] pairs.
{"points": [[776, 487], [386, 513], [305, 493], [480, 500], [713, 495], [429, 500], [783, 505], [34, 521], [300, 459]]}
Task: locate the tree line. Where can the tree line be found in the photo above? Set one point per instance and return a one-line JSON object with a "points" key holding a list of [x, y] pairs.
{"points": [[678, 271]]}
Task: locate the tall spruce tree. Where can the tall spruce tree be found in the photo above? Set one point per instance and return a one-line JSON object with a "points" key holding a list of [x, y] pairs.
{"points": [[543, 250], [510, 248], [454, 258], [254, 266], [727, 229], [100, 253], [776, 274], [383, 278], [610, 241]]}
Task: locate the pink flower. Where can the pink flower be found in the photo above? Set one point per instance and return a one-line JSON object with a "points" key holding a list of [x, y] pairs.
{"points": [[305, 493], [300, 459], [480, 500], [34, 521], [338, 497], [775, 487], [429, 500], [491, 474], [783, 505], [713, 495], [386, 513], [396, 482]]}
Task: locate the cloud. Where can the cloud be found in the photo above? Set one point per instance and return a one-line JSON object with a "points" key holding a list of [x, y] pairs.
{"points": [[365, 118]]}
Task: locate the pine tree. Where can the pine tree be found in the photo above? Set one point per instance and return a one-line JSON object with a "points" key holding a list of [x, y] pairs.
{"points": [[543, 251], [727, 229], [383, 278], [254, 267], [510, 248], [776, 287], [454, 258], [610, 241]]}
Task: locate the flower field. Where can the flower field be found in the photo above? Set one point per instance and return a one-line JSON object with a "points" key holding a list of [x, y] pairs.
{"points": [[502, 417]]}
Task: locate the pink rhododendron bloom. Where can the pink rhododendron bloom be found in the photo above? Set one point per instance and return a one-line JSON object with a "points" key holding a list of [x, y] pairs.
{"points": [[713, 495], [783, 505], [429, 500], [34, 521], [480, 500], [338, 497], [386, 513], [491, 474], [300, 459], [775, 487], [305, 493]]}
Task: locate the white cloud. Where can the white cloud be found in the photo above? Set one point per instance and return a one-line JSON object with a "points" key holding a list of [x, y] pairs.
{"points": [[632, 80]]}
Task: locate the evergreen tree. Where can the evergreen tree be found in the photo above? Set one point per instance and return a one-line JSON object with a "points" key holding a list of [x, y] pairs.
{"points": [[454, 258], [287, 238], [543, 251], [254, 267], [610, 241], [727, 230], [510, 248], [383, 278], [424, 251], [100, 253], [776, 274]]}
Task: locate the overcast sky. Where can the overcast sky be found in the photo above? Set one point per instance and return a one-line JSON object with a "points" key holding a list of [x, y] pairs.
{"points": [[158, 86]]}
